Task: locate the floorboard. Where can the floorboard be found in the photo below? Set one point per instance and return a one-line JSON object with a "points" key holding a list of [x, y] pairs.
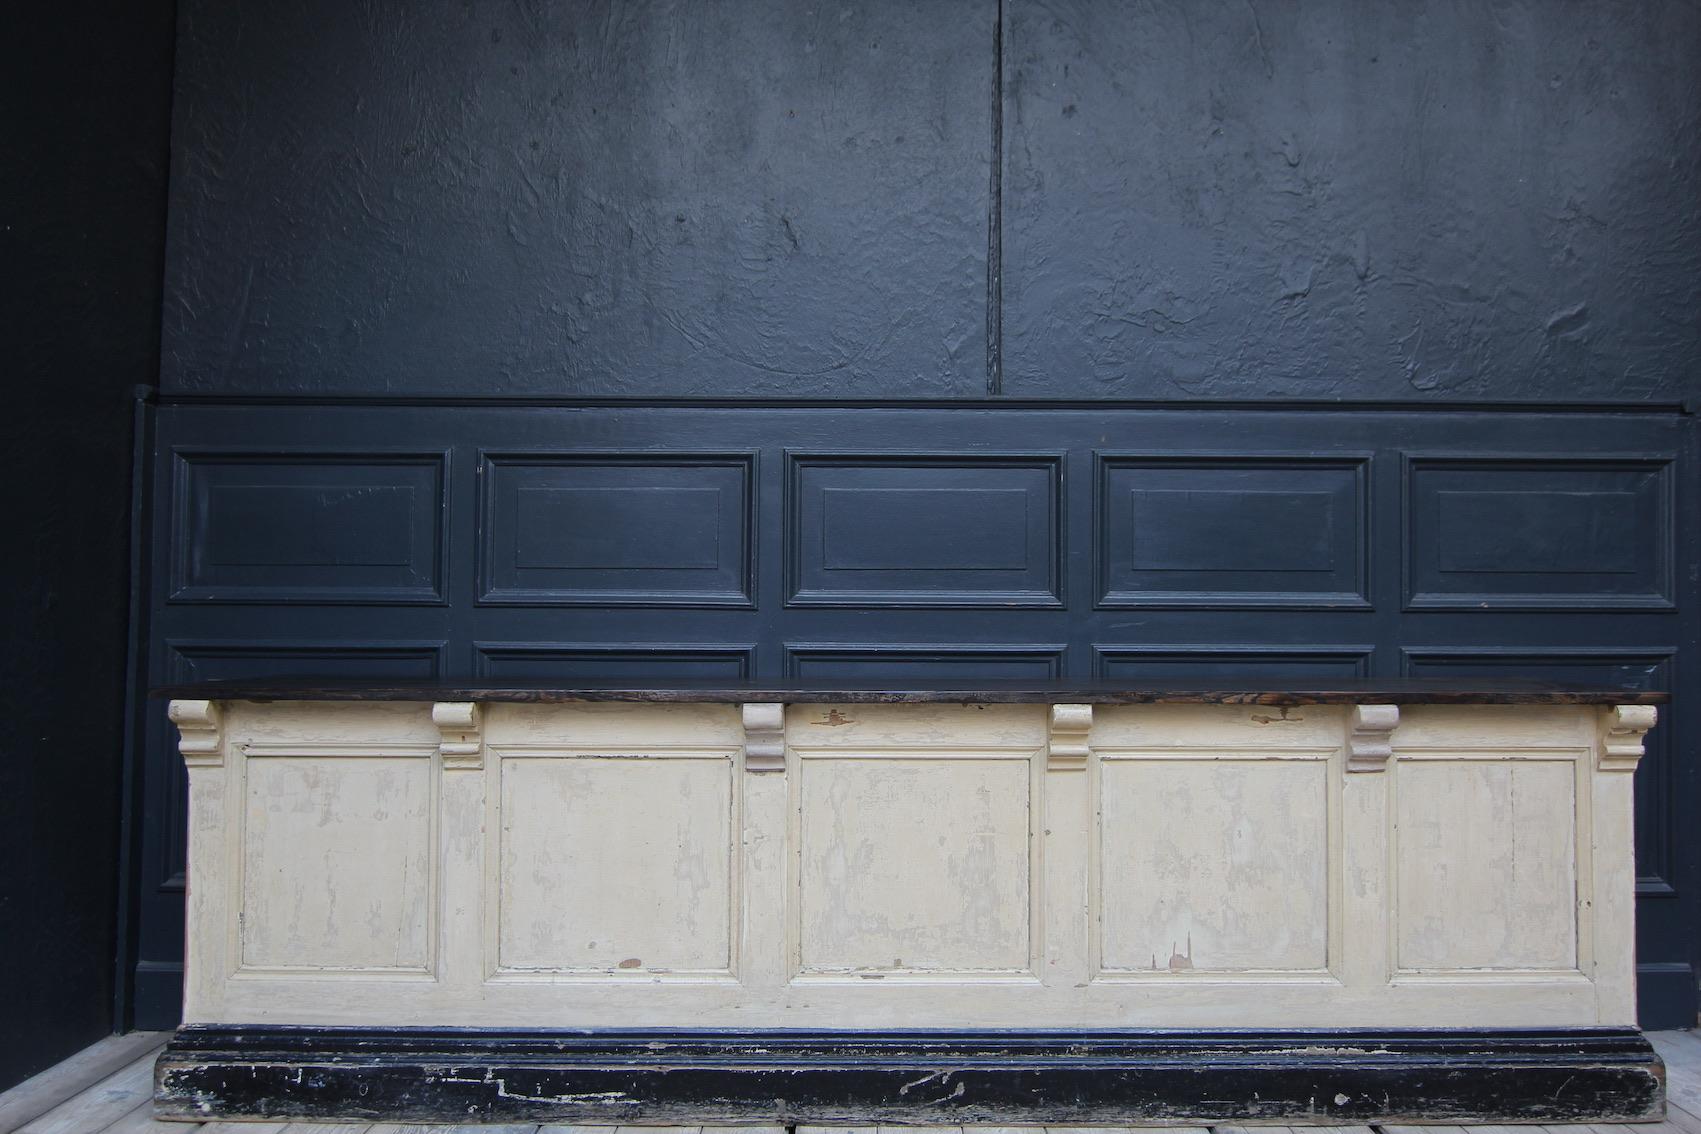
{"points": [[34, 1097], [142, 1121], [93, 1110]]}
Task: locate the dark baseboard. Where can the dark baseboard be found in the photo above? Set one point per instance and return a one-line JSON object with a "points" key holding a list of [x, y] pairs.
{"points": [[1665, 995], [158, 996], [1005, 1077]]}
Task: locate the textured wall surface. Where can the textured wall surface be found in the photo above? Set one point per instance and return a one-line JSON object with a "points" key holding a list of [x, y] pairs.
{"points": [[82, 229], [588, 198], [1381, 200], [1353, 200]]}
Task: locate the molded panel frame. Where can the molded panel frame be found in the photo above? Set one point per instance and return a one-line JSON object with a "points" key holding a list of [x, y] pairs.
{"points": [[1578, 760], [236, 833], [1329, 761], [742, 655], [1052, 657], [741, 595], [182, 587], [1662, 531], [1357, 464], [1049, 596], [501, 754], [801, 974], [1358, 659]]}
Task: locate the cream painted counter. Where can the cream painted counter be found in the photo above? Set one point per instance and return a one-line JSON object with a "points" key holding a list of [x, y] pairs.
{"points": [[1098, 861]]}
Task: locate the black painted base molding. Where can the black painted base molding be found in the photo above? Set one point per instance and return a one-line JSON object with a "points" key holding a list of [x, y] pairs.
{"points": [[919, 1077]]}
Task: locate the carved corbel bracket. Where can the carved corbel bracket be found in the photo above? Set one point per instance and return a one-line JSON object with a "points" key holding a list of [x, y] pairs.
{"points": [[1066, 744], [1371, 744], [460, 726], [764, 737], [200, 732], [1622, 729]]}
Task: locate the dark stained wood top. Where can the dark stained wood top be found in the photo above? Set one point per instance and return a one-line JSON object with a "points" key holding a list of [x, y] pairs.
{"points": [[1410, 691]]}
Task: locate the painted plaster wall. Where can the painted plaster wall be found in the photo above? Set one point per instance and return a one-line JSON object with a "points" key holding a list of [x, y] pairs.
{"points": [[1384, 200]]}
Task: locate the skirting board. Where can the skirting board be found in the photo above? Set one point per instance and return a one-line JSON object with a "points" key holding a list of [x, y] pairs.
{"points": [[917, 1077]]}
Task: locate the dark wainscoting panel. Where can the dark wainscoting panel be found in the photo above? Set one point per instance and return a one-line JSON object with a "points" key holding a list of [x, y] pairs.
{"points": [[358, 527], [605, 530], [649, 541], [525, 661], [1136, 664], [1539, 535], [1230, 531], [923, 662], [924, 531]]}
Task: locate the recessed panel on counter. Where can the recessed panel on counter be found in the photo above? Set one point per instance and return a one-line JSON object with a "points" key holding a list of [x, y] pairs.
{"points": [[614, 862], [914, 862], [337, 867]]}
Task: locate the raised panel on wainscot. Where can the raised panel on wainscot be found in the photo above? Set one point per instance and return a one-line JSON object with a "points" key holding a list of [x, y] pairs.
{"points": [[1224, 531], [665, 529], [522, 661], [1538, 534], [308, 527], [916, 662], [925, 531], [1228, 664]]}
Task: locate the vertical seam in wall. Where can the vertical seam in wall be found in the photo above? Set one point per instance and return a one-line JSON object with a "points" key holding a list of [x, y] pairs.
{"points": [[995, 217]]}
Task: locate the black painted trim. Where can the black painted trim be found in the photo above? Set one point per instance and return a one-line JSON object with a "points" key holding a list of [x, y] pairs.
{"points": [[516, 401], [127, 940], [1342, 691], [1030, 1077]]}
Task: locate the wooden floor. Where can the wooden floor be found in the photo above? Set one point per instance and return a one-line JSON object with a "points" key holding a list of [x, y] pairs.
{"points": [[106, 1090]]}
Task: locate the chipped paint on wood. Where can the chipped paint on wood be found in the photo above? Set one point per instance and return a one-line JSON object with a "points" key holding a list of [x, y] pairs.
{"points": [[908, 865]]}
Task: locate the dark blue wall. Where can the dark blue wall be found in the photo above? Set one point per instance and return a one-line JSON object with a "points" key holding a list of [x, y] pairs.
{"points": [[465, 303], [1439, 200]]}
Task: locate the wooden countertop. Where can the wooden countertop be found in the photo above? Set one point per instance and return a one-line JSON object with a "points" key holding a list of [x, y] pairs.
{"points": [[1394, 691]]}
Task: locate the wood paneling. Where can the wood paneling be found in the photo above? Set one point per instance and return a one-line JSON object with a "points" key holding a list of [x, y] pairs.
{"points": [[925, 545], [309, 526]]}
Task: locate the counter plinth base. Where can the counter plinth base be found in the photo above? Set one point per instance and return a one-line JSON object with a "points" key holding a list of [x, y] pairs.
{"points": [[1002, 1078]]}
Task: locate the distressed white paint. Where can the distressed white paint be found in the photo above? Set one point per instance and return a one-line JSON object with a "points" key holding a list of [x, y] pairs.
{"points": [[622, 863], [913, 861], [908, 865], [336, 861], [1370, 748], [1253, 833], [1485, 863]]}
